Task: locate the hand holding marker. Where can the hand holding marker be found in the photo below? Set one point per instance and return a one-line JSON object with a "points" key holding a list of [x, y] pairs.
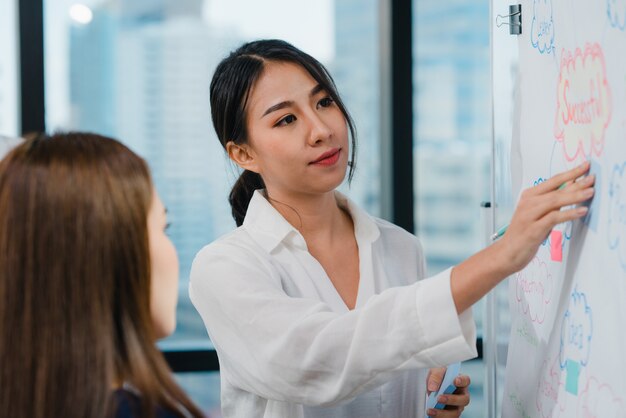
{"points": [[502, 230], [447, 387]]}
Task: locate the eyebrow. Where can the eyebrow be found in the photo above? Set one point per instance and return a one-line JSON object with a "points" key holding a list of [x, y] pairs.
{"points": [[315, 90]]}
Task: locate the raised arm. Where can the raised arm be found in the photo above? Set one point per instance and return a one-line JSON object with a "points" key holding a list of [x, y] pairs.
{"points": [[538, 211]]}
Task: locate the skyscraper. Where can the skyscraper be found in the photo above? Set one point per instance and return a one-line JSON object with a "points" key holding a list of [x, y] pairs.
{"points": [[356, 72], [452, 126], [141, 73]]}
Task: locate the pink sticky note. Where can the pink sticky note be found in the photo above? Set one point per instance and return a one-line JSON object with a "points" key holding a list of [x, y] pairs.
{"points": [[556, 245]]}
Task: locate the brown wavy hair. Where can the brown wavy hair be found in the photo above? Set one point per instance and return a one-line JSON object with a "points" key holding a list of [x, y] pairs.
{"points": [[75, 281]]}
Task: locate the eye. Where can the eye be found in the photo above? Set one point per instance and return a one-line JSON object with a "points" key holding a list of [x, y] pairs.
{"points": [[325, 102], [167, 226], [287, 120]]}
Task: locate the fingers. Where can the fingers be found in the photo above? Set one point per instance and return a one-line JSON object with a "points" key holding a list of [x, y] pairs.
{"points": [[580, 184], [540, 229], [575, 193], [460, 397], [461, 381], [455, 403], [558, 217], [435, 377], [444, 413], [556, 181], [455, 399]]}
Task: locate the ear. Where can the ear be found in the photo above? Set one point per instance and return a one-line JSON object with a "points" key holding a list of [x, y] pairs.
{"points": [[242, 155]]}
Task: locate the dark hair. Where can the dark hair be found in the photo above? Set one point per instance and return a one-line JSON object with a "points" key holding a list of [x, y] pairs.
{"points": [[75, 281], [230, 88]]}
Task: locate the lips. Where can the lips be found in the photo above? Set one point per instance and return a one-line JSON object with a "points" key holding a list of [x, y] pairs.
{"points": [[328, 158]]}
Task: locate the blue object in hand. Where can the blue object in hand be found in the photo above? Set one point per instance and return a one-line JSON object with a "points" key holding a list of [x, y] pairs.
{"points": [[447, 387]]}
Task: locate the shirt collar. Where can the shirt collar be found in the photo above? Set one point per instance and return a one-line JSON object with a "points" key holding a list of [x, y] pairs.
{"points": [[269, 228]]}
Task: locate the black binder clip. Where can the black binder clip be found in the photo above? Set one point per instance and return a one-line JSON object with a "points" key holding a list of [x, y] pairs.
{"points": [[514, 19]]}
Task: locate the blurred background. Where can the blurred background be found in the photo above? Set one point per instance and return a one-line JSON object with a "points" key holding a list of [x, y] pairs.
{"points": [[415, 76]]}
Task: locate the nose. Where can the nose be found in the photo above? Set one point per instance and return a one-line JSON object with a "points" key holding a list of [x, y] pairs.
{"points": [[319, 131]]}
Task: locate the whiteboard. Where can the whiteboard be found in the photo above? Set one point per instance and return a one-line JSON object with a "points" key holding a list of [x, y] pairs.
{"points": [[566, 355]]}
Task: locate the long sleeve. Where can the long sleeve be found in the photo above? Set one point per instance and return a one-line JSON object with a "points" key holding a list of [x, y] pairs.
{"points": [[298, 350]]}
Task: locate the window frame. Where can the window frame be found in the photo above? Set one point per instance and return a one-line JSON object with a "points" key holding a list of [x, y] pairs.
{"points": [[396, 113]]}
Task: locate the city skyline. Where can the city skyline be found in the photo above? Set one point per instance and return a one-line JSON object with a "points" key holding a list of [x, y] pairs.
{"points": [[143, 77], [150, 71]]}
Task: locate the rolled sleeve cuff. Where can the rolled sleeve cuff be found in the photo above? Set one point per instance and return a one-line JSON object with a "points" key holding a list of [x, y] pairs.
{"points": [[449, 337]]}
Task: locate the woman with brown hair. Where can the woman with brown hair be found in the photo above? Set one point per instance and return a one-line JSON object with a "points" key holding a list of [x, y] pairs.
{"points": [[88, 283]]}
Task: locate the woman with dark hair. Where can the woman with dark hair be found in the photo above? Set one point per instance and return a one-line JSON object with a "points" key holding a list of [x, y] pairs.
{"points": [[315, 308], [88, 282]]}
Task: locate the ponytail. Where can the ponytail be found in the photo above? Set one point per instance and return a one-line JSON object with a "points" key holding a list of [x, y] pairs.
{"points": [[242, 192]]}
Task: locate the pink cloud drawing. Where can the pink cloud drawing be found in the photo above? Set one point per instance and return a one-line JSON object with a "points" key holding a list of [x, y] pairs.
{"points": [[548, 390], [584, 104], [533, 290], [598, 400]]}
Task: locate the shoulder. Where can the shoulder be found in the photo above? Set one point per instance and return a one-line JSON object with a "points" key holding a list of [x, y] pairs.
{"points": [[128, 405], [229, 263], [236, 247]]}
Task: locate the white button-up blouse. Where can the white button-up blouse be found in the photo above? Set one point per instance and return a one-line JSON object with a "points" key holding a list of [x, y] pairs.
{"points": [[290, 348]]}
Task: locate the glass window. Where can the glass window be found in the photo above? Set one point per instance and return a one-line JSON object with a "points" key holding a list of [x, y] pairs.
{"points": [[9, 67], [452, 131], [197, 384], [140, 71]]}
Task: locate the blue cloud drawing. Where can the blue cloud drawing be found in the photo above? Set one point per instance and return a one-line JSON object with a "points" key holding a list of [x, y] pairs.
{"points": [[616, 11], [617, 213], [542, 27], [576, 331]]}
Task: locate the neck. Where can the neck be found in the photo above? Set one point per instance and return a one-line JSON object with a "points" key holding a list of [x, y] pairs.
{"points": [[315, 216]]}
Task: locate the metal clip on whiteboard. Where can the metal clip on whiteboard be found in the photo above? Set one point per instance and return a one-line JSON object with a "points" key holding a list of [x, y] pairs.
{"points": [[514, 19]]}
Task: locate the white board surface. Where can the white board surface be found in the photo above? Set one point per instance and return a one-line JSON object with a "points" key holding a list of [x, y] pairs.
{"points": [[567, 348]]}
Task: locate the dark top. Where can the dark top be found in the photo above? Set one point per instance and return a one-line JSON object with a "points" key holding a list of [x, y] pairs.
{"points": [[129, 406]]}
